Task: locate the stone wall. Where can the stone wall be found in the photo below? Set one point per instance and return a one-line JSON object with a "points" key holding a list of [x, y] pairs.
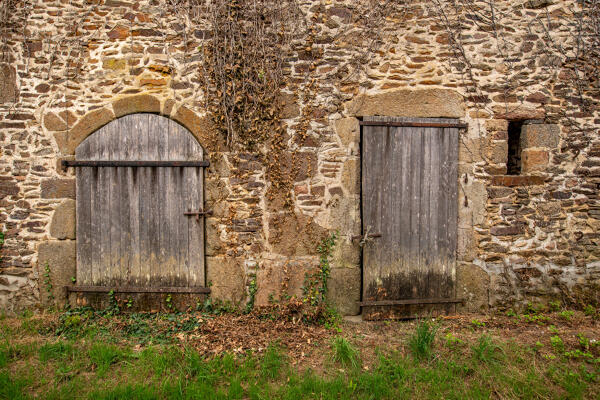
{"points": [[76, 66]]}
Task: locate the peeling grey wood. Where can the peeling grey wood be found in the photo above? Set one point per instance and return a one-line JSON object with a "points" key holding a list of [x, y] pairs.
{"points": [[130, 223], [409, 195]]}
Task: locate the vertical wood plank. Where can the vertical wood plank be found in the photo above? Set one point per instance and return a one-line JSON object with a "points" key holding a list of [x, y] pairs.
{"points": [[84, 217], [160, 126], [95, 211], [452, 208], [132, 152], [425, 223], [144, 190], [434, 206], [124, 175], [114, 217]]}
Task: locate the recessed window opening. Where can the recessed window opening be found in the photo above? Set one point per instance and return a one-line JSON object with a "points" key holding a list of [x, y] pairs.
{"points": [[513, 163]]}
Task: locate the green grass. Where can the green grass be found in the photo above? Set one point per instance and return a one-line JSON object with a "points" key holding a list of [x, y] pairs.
{"points": [[344, 353], [461, 364], [422, 340]]}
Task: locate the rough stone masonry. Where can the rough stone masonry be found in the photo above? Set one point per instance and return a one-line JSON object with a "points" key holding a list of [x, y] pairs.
{"points": [[69, 67]]}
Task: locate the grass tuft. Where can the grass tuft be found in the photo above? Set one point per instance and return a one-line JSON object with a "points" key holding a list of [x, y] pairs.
{"points": [[486, 350], [54, 351], [103, 356], [344, 353], [422, 340]]}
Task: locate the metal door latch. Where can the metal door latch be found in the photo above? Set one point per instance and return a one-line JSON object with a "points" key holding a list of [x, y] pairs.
{"points": [[369, 236], [198, 213]]}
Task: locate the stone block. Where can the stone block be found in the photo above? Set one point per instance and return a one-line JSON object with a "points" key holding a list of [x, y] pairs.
{"points": [[426, 103], [346, 253], [288, 103], [58, 188], [351, 176], [63, 221], [517, 180], [214, 245], [344, 290], [276, 278], [496, 125], [506, 230], [345, 215], [136, 104], [471, 210], [60, 258], [469, 150], [9, 92], [294, 234], [473, 285], [113, 64], [201, 127], [518, 113], [497, 152], [349, 131], [540, 135], [227, 279], [89, 123], [53, 122], [534, 160]]}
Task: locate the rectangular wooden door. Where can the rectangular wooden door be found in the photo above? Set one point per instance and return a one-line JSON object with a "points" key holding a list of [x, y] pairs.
{"points": [[409, 212]]}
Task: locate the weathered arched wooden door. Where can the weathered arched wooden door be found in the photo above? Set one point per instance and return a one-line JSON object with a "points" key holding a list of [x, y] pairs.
{"points": [[140, 219]]}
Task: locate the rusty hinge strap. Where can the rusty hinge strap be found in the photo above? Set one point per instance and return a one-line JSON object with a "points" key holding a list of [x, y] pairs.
{"points": [[132, 289], [458, 125], [111, 163], [409, 301]]}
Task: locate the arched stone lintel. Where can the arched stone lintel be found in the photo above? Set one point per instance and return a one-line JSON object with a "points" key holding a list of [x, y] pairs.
{"points": [[201, 127]]}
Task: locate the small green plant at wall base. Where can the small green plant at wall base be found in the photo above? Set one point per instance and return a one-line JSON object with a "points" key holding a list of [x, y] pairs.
{"points": [[113, 304], [169, 301], [566, 315], [554, 305], [589, 310], [557, 343], [48, 282], [252, 289], [477, 323], [314, 290], [73, 280]]}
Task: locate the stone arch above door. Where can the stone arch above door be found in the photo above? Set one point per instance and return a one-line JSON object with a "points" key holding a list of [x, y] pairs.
{"points": [[69, 134]]}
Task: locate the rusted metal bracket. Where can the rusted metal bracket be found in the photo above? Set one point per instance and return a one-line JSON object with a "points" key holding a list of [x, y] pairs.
{"points": [[458, 125], [113, 163], [409, 301], [198, 214], [133, 289], [370, 235]]}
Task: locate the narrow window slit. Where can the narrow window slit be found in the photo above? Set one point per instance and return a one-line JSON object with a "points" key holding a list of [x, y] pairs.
{"points": [[513, 163]]}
